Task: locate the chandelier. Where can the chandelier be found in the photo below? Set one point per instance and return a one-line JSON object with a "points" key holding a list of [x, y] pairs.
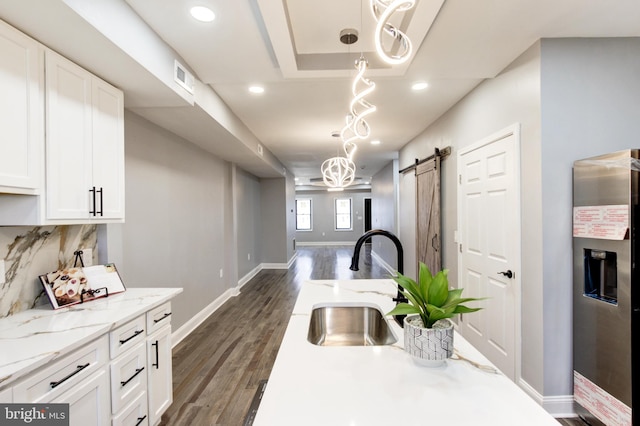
{"points": [[338, 172], [356, 126], [382, 11]]}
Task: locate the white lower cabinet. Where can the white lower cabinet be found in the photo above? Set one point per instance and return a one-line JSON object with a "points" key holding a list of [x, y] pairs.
{"points": [[160, 387], [122, 378], [135, 414], [89, 401]]}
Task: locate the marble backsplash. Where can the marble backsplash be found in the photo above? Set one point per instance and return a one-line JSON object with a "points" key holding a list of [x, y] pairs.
{"points": [[29, 252]]}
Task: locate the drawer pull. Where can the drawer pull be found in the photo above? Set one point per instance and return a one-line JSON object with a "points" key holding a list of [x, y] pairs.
{"points": [[78, 369], [122, 342], [157, 363], [138, 371], [155, 321], [140, 420]]}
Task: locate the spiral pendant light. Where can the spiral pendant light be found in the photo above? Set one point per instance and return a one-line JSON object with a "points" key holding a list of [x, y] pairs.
{"points": [[382, 11]]}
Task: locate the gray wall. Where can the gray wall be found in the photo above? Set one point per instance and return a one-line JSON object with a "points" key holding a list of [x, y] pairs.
{"points": [[511, 97], [249, 226], [590, 106], [178, 204], [384, 207], [573, 98], [323, 217], [274, 219]]}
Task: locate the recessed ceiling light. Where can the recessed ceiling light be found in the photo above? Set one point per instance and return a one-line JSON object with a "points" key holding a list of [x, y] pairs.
{"points": [[256, 89], [375, 142], [202, 14], [419, 85]]}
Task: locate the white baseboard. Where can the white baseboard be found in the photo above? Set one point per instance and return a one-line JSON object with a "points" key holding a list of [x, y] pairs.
{"points": [[279, 265], [382, 263], [325, 243], [560, 406], [178, 335], [252, 273]]}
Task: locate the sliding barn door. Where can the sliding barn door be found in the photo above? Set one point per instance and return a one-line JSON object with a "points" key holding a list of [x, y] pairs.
{"points": [[428, 214]]}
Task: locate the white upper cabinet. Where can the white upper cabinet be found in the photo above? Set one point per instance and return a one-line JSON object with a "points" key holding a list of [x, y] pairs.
{"points": [[21, 112], [84, 144]]}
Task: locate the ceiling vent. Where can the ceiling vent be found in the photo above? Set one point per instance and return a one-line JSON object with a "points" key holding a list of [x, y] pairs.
{"points": [[183, 77]]}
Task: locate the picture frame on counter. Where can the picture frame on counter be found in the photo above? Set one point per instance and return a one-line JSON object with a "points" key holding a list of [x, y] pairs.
{"points": [[70, 286]]}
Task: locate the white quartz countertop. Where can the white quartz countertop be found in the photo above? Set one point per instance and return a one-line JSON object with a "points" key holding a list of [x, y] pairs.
{"points": [[381, 385], [36, 337]]}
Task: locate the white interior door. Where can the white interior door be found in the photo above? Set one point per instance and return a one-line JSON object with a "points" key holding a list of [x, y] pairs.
{"points": [[489, 245]]}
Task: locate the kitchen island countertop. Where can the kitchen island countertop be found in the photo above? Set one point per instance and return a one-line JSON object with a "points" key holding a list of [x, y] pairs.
{"points": [[381, 385]]}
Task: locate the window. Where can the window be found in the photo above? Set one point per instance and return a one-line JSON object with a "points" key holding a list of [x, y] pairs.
{"points": [[343, 214], [303, 214]]}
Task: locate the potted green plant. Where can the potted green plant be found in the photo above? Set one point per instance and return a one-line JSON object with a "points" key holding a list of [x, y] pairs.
{"points": [[428, 332]]}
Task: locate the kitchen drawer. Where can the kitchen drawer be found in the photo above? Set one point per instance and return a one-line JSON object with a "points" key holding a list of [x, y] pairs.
{"points": [[128, 377], [127, 336], [49, 382], [158, 317], [135, 414]]}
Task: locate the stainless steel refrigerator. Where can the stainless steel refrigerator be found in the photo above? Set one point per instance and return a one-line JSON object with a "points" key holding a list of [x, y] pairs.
{"points": [[606, 296]]}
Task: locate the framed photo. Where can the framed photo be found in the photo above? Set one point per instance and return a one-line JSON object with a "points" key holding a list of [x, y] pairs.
{"points": [[69, 286]]}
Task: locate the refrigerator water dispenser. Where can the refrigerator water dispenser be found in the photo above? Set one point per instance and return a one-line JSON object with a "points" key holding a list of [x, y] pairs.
{"points": [[601, 275]]}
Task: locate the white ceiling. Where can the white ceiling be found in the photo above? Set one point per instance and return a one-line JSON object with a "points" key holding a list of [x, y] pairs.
{"points": [[291, 47]]}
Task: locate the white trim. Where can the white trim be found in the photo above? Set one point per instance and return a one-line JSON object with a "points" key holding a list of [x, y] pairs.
{"points": [[514, 130], [382, 263], [279, 265], [178, 335], [560, 406], [325, 243], [252, 273]]}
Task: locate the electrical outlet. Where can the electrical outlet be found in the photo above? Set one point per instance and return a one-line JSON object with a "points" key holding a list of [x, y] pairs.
{"points": [[221, 273], [3, 272], [87, 256], [248, 256]]}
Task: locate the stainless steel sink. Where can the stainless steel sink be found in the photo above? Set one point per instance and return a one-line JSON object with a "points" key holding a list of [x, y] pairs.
{"points": [[349, 325]]}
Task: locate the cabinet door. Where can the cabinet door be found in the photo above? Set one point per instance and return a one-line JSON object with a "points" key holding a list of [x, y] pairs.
{"points": [[21, 112], [68, 145], [89, 401], [160, 389], [108, 149]]}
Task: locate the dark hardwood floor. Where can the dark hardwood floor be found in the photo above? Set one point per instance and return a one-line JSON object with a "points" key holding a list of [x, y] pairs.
{"points": [[218, 368]]}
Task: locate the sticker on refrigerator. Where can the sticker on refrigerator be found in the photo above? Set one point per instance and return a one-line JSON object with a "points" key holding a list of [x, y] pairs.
{"points": [[599, 402], [601, 222]]}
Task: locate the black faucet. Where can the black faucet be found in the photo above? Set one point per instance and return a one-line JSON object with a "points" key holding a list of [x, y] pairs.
{"points": [[356, 258]]}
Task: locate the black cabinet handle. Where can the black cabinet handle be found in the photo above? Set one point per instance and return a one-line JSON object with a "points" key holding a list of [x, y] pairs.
{"points": [[122, 342], [101, 206], [163, 317], [157, 363], [138, 371], [93, 196], [140, 420], [78, 369]]}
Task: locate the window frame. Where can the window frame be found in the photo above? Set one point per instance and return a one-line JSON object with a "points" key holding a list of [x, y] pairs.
{"points": [[335, 214], [310, 214]]}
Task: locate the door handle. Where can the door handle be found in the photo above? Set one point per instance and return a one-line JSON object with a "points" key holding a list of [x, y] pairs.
{"points": [[507, 273]]}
